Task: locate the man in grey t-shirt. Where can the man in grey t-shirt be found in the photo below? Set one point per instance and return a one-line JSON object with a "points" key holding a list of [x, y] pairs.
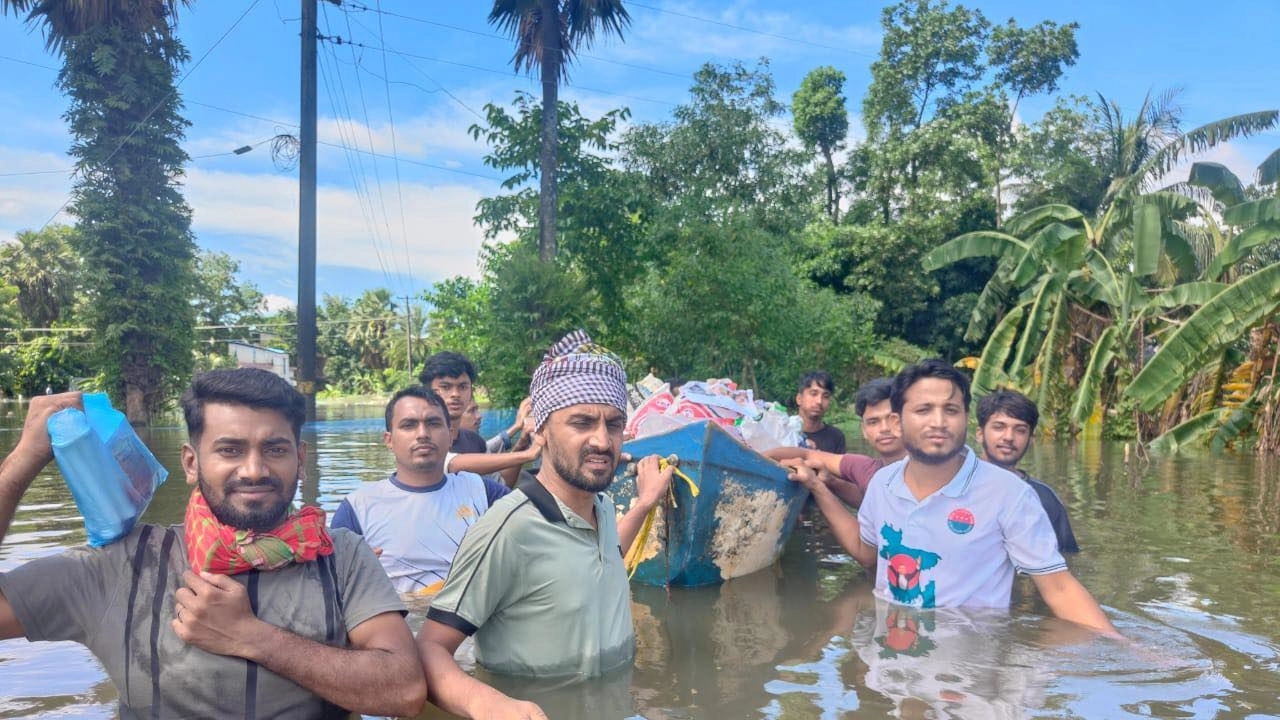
{"points": [[312, 629]]}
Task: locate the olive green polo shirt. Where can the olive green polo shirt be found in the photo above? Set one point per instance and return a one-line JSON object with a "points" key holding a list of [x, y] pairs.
{"points": [[542, 591]]}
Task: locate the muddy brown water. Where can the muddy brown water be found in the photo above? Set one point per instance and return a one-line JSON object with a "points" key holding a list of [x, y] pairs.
{"points": [[1183, 552]]}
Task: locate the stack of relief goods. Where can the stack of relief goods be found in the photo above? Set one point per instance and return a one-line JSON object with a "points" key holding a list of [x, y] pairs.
{"points": [[656, 408]]}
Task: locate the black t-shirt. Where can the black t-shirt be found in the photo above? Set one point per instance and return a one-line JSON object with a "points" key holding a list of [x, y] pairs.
{"points": [[828, 439], [469, 442]]}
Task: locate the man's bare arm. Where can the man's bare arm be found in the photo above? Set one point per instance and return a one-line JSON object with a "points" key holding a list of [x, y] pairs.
{"points": [[651, 487], [32, 453], [1070, 600], [455, 691], [844, 525], [379, 674]]}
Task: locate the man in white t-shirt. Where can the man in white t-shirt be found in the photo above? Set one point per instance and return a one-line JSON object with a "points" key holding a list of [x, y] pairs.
{"points": [[415, 518], [943, 528]]}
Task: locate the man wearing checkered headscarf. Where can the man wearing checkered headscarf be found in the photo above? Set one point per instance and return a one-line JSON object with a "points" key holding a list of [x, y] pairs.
{"points": [[577, 371], [539, 580]]}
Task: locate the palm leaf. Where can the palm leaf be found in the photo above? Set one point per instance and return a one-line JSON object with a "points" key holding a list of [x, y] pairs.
{"points": [[1201, 139], [1091, 383], [1197, 428], [983, 243], [990, 373], [1224, 319], [1218, 180]]}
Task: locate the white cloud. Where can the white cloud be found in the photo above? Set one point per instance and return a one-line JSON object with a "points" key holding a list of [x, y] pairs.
{"points": [[276, 303]]}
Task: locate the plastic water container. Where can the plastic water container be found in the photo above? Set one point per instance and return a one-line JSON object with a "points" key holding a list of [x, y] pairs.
{"points": [[110, 472]]}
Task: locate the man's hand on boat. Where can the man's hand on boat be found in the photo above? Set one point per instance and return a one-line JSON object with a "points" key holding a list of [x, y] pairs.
{"points": [[652, 481], [800, 471]]}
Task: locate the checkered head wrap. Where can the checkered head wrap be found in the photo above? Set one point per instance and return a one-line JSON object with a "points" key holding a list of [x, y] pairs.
{"points": [[576, 371]]}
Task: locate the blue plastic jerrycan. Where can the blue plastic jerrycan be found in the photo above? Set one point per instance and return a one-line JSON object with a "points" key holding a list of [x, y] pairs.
{"points": [[110, 472]]}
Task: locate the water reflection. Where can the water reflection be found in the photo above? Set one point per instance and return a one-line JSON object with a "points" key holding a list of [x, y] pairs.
{"points": [[1184, 553]]}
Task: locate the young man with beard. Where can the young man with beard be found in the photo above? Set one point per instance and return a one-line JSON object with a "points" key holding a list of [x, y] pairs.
{"points": [[1006, 422], [943, 528], [415, 518], [539, 580], [248, 608], [848, 474]]}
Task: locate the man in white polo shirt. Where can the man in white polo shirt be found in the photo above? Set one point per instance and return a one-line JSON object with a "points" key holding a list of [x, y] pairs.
{"points": [[943, 528]]}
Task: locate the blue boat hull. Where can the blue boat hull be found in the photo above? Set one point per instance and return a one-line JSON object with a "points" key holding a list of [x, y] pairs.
{"points": [[738, 523]]}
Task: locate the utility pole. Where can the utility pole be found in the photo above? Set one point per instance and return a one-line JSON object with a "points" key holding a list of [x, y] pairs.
{"points": [[307, 214]]}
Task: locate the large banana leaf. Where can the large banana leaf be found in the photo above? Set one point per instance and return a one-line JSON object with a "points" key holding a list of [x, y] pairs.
{"points": [[1193, 430], [1219, 180], [1252, 212], [990, 301], [1049, 360], [1101, 283], [1025, 223], [990, 373], [1197, 141], [1042, 309], [1224, 319], [1181, 253], [1239, 245], [1236, 424], [1148, 240], [1269, 170], [1040, 246], [1192, 293], [1091, 384], [983, 243]]}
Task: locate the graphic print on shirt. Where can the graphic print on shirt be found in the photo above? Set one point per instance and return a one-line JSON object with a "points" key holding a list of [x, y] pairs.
{"points": [[960, 521], [904, 567]]}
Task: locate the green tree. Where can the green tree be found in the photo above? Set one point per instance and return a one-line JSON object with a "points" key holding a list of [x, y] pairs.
{"points": [[120, 60], [219, 297], [547, 33], [822, 122], [45, 270]]}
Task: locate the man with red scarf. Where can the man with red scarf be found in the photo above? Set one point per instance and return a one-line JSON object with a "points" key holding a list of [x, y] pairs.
{"points": [[249, 608]]}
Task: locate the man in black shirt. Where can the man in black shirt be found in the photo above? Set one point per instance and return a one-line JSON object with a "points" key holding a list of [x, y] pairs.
{"points": [[452, 376], [813, 399], [1006, 422]]}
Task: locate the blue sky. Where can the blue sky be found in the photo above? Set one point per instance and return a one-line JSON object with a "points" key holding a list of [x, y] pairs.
{"points": [[406, 224]]}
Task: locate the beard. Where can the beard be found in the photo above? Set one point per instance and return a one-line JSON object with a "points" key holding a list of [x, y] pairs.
{"points": [[579, 479], [941, 457], [261, 517]]}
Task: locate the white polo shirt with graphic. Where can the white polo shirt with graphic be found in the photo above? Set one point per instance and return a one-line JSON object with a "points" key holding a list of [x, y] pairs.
{"points": [[960, 546]]}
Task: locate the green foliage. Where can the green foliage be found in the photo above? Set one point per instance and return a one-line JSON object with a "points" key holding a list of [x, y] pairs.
{"points": [[45, 362], [821, 122], [45, 270], [134, 234], [219, 297]]}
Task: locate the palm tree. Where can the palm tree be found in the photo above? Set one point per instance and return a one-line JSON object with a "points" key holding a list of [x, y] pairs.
{"points": [[547, 34], [43, 267], [63, 19]]}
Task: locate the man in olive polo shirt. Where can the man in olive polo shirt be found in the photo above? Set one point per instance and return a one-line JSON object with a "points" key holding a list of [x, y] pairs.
{"points": [[539, 579]]}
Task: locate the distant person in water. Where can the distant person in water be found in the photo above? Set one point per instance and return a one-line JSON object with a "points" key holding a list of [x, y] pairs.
{"points": [[943, 528], [1006, 423], [813, 400], [847, 475]]}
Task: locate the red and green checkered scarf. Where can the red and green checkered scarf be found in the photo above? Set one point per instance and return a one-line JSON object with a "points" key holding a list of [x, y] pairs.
{"points": [[217, 548]]}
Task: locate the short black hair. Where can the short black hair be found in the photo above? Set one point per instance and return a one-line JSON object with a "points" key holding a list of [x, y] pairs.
{"points": [[418, 391], [872, 392], [447, 364], [821, 378], [251, 387], [1011, 403], [935, 368]]}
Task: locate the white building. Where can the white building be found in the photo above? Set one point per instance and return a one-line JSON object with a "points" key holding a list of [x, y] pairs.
{"points": [[263, 358]]}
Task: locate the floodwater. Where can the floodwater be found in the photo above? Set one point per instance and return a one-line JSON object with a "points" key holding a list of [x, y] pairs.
{"points": [[1183, 553]]}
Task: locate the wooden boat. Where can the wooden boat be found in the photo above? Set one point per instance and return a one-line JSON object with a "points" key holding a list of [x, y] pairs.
{"points": [[737, 523]]}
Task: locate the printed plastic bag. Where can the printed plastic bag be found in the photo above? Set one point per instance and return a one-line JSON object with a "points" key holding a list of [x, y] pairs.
{"points": [[110, 472]]}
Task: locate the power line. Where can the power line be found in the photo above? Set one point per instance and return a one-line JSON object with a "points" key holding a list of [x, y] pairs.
{"points": [[404, 229], [753, 31]]}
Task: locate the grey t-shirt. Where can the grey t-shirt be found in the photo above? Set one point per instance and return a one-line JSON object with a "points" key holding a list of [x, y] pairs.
{"points": [[118, 601]]}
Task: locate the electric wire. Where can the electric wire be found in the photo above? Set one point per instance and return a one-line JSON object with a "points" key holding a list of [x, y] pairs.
{"points": [[404, 227]]}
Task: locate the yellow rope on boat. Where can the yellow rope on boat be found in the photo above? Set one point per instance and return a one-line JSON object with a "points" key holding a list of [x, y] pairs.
{"points": [[632, 560]]}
